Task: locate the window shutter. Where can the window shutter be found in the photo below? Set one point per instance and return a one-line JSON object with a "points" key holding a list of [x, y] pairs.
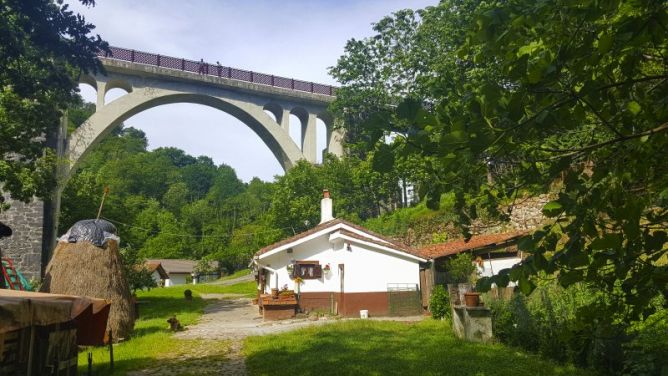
{"points": [[317, 271]]}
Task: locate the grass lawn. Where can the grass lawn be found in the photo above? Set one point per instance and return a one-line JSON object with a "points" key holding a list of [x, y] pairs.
{"points": [[237, 274], [152, 343], [388, 348]]}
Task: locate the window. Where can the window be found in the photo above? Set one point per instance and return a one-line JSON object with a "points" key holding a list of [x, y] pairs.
{"points": [[307, 270]]}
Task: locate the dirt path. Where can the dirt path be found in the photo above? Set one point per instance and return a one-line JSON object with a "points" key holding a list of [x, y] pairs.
{"points": [[231, 317]]}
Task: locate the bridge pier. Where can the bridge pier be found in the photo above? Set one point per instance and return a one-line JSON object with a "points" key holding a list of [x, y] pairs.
{"points": [[309, 139]]}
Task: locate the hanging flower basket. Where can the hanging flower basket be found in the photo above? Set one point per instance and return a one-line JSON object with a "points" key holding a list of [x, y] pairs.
{"points": [[327, 268]]}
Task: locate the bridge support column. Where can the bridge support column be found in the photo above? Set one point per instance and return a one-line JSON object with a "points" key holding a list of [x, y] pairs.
{"points": [[101, 91], [335, 141], [285, 120], [309, 139]]}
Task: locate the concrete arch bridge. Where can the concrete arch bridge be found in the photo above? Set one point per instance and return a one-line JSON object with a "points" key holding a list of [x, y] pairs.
{"points": [[152, 80]]}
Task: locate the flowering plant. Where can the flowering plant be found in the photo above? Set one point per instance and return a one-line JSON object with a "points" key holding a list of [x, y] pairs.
{"points": [[298, 280], [326, 268]]}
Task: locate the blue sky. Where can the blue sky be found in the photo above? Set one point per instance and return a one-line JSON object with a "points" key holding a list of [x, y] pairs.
{"points": [[289, 38]]}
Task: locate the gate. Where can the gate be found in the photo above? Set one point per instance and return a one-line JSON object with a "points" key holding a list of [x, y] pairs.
{"points": [[403, 299]]}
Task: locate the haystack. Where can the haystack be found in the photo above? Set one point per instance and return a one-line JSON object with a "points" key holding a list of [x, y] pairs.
{"points": [[83, 269]]}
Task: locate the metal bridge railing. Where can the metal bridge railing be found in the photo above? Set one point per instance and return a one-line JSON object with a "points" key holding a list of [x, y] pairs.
{"points": [[216, 70]]}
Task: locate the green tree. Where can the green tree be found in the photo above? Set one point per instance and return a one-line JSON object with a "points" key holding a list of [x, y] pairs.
{"points": [[44, 47], [561, 97]]}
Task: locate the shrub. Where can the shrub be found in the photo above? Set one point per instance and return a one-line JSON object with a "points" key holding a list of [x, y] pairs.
{"points": [[460, 269], [562, 324], [647, 352], [439, 303]]}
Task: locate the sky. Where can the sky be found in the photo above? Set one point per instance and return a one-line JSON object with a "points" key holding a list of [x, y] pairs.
{"points": [[290, 38]]}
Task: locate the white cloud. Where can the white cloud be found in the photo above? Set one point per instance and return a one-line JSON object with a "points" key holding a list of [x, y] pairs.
{"points": [[297, 39]]}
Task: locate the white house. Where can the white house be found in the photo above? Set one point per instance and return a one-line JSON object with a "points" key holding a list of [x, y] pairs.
{"points": [[158, 273], [343, 268], [180, 272]]}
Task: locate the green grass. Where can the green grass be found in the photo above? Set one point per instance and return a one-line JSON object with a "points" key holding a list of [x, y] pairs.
{"points": [[237, 274], [388, 348], [152, 343], [247, 288]]}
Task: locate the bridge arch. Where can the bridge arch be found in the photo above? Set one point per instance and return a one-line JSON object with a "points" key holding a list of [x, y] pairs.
{"points": [[110, 116]]}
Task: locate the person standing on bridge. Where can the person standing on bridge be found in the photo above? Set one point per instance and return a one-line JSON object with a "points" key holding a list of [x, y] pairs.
{"points": [[201, 66]]}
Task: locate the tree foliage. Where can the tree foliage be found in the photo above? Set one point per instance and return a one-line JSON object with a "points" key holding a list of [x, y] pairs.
{"points": [[43, 48], [168, 204], [521, 96]]}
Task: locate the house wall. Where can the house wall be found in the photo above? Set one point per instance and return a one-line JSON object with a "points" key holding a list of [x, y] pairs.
{"points": [[366, 276], [496, 265], [365, 270], [176, 279], [156, 277]]}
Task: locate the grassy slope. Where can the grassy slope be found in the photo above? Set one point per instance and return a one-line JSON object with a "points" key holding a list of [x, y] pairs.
{"points": [[237, 274], [388, 348], [152, 342]]}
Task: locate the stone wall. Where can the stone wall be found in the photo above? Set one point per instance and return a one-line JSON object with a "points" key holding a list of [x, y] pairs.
{"points": [[25, 245], [525, 214]]}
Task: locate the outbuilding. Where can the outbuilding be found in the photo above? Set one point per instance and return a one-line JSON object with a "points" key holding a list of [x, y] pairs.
{"points": [[158, 273], [339, 267], [490, 252], [181, 272]]}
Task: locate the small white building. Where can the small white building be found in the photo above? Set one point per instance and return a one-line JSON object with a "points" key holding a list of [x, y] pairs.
{"points": [[158, 273], [342, 268], [180, 272]]}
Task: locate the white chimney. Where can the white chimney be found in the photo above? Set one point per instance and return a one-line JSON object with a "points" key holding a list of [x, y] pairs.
{"points": [[326, 207]]}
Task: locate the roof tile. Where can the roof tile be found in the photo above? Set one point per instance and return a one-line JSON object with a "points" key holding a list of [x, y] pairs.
{"points": [[462, 245]]}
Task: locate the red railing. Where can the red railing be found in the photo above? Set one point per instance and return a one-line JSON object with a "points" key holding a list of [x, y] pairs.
{"points": [[216, 70]]}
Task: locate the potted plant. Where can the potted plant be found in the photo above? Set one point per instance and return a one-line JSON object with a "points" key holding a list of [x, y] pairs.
{"points": [[327, 269], [298, 282], [472, 299]]}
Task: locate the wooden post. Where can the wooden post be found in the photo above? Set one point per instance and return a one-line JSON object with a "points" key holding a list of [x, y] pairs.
{"points": [[90, 363], [31, 350], [104, 195], [111, 351]]}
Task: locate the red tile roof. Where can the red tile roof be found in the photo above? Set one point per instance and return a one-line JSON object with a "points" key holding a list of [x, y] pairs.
{"points": [[476, 242], [390, 243]]}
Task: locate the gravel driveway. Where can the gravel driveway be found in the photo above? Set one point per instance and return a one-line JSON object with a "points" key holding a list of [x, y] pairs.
{"points": [[233, 317]]}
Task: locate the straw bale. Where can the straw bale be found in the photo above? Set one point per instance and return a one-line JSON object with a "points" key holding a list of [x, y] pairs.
{"points": [[86, 270]]}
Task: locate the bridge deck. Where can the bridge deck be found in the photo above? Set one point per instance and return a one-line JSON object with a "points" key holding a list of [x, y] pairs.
{"points": [[216, 70]]}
